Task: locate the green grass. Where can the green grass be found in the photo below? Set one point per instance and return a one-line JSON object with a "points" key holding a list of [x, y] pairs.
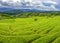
{"points": [[28, 30]]}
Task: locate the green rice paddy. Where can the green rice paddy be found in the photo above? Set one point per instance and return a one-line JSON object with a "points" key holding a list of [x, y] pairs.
{"points": [[30, 30]]}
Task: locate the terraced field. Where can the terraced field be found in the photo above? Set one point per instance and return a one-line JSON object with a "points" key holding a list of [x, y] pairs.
{"points": [[30, 30]]}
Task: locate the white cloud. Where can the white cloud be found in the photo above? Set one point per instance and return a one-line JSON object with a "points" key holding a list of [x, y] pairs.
{"points": [[36, 4], [51, 2]]}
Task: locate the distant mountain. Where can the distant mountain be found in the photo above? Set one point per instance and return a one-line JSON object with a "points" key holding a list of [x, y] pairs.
{"points": [[15, 11], [11, 10], [2, 9]]}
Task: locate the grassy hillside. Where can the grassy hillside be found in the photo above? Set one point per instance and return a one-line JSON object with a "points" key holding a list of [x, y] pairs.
{"points": [[17, 14], [34, 29]]}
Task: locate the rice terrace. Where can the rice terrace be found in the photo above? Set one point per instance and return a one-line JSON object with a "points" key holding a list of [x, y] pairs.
{"points": [[30, 27]]}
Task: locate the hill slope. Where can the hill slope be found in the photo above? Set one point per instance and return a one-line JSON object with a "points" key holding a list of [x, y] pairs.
{"points": [[30, 30]]}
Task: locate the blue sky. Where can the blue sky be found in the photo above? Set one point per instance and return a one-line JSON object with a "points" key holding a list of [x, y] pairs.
{"points": [[48, 5]]}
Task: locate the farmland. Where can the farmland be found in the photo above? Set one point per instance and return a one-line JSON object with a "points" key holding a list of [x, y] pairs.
{"points": [[34, 29]]}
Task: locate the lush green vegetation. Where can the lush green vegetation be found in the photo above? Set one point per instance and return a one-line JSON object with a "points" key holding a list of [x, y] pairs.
{"points": [[31, 28], [28, 14]]}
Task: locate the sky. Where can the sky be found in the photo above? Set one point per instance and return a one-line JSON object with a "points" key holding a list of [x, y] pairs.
{"points": [[47, 5]]}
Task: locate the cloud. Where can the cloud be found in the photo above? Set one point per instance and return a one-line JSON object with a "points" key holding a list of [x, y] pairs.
{"points": [[49, 5]]}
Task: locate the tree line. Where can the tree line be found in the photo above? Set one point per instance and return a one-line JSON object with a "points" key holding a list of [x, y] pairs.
{"points": [[28, 14]]}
